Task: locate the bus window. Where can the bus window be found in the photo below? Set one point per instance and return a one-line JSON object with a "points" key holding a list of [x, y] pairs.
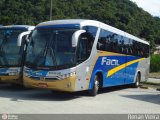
{"points": [[91, 29], [84, 47], [120, 46], [104, 41], [108, 41], [146, 50]]}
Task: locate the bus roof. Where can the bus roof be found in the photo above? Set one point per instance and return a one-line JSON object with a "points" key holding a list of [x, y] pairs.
{"points": [[83, 22], [26, 27]]}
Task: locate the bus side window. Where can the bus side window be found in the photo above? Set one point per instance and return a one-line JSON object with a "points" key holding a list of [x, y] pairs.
{"points": [[91, 32], [135, 49], [129, 45], [105, 41], [111, 42], [124, 45], [91, 29], [146, 50], [102, 42], [84, 47], [139, 47]]}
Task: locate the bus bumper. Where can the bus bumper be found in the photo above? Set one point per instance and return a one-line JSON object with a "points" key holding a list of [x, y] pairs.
{"points": [[67, 84], [10, 79]]}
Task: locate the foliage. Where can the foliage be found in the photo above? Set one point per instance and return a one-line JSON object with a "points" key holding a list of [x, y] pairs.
{"points": [[155, 63], [122, 14]]}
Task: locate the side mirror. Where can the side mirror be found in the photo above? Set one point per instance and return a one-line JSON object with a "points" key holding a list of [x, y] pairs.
{"points": [[19, 41], [29, 36], [75, 37]]}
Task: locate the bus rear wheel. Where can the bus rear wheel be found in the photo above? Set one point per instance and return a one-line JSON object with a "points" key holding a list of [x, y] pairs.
{"points": [[137, 83], [95, 88]]}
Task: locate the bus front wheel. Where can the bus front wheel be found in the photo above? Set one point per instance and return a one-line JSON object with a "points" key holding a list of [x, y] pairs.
{"points": [[95, 88]]}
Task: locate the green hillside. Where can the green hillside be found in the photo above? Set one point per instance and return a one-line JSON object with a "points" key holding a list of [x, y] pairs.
{"points": [[122, 14]]}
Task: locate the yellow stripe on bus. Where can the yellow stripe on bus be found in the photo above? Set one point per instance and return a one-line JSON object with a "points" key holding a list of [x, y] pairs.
{"points": [[116, 69]]}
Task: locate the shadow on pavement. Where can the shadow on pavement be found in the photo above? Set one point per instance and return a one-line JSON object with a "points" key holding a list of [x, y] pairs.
{"points": [[21, 93], [13, 88], [145, 97], [112, 89]]}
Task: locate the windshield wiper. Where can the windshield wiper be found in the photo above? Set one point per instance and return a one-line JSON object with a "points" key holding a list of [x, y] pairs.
{"points": [[53, 56], [41, 55]]}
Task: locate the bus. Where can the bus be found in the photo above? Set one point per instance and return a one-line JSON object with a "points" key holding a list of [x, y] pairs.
{"points": [[11, 55], [75, 55]]}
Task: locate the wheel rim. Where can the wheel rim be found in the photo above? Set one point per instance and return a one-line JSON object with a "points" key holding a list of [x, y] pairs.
{"points": [[96, 84], [137, 81]]}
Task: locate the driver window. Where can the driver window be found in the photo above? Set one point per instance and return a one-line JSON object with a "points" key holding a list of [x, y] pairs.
{"points": [[85, 44], [84, 47]]}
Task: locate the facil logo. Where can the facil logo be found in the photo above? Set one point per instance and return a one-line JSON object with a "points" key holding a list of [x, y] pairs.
{"points": [[109, 61]]}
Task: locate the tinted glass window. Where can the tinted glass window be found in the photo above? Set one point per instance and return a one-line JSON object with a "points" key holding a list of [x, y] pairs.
{"points": [[109, 41], [84, 47], [141, 49], [112, 42], [91, 29], [11, 54], [85, 43]]}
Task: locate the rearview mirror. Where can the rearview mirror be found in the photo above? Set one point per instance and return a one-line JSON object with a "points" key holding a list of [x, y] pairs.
{"points": [[19, 41], [75, 37]]}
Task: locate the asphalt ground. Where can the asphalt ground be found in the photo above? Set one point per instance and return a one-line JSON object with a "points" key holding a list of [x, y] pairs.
{"points": [[114, 100]]}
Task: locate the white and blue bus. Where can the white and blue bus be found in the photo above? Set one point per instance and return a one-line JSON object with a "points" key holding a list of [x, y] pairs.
{"points": [[12, 55], [76, 55]]}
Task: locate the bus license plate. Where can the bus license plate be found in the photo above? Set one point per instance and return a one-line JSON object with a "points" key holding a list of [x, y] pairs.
{"points": [[42, 85]]}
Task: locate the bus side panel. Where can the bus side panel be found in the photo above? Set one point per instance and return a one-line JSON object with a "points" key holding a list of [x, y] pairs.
{"points": [[143, 67], [131, 69], [130, 73], [106, 63], [121, 72], [146, 65]]}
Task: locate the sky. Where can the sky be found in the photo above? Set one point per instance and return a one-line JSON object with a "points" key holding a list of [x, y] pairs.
{"points": [[151, 6]]}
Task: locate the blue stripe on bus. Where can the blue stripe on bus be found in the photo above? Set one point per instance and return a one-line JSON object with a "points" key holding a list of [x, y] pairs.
{"points": [[38, 73]]}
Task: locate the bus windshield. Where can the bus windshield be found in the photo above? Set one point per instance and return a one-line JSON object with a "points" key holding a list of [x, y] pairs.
{"points": [[51, 48], [10, 53]]}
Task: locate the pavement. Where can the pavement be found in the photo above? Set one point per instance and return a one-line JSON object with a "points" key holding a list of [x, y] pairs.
{"points": [[114, 100]]}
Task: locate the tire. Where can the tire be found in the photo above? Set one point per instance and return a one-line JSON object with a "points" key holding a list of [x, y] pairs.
{"points": [[94, 90], [137, 83]]}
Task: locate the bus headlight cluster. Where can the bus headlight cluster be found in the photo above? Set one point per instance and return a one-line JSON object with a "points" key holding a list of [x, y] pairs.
{"points": [[68, 75]]}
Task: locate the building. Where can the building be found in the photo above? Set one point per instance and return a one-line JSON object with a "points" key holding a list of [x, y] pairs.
{"points": [[157, 49]]}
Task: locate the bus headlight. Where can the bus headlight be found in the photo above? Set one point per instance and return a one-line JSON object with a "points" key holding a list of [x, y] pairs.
{"points": [[68, 75]]}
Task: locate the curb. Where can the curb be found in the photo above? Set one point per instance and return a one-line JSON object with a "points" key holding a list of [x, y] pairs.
{"points": [[150, 86], [154, 77]]}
